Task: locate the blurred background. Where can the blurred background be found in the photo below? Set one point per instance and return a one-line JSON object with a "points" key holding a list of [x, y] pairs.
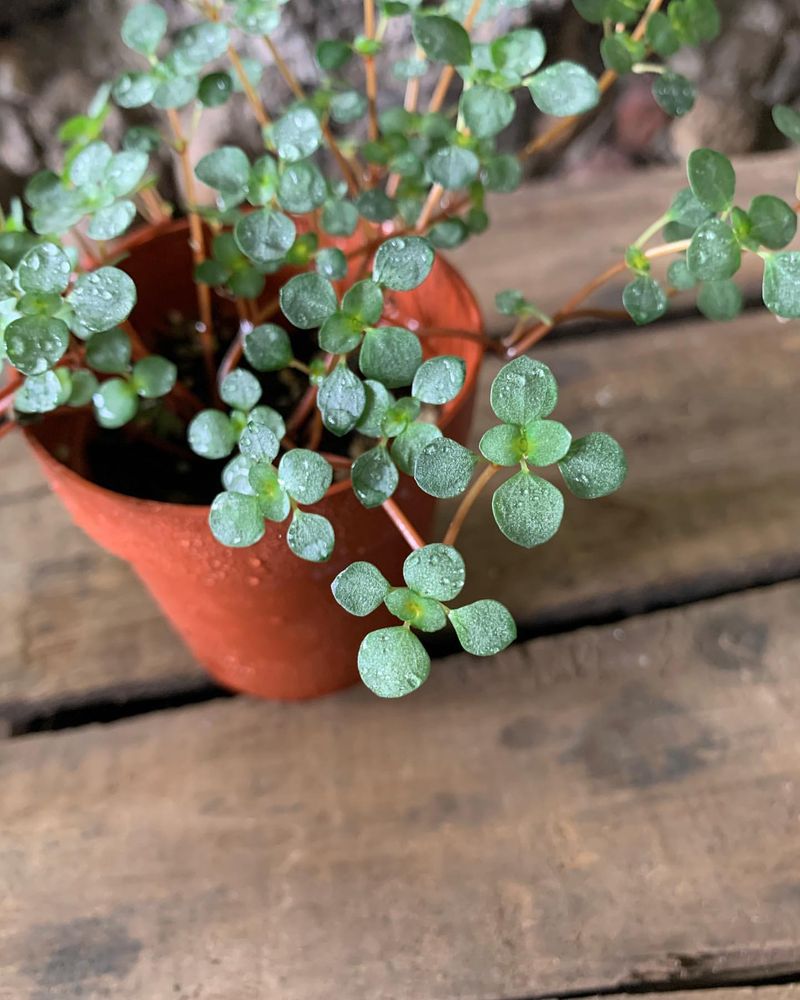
{"points": [[54, 54]]}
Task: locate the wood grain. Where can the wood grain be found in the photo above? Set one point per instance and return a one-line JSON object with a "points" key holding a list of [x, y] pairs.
{"points": [[611, 807], [707, 414], [548, 239]]}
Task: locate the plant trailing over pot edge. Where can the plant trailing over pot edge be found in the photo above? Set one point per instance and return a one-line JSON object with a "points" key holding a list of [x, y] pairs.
{"points": [[346, 206]]}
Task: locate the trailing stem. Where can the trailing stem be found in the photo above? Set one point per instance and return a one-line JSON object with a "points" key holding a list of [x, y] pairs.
{"points": [[403, 525], [370, 70], [467, 501]]}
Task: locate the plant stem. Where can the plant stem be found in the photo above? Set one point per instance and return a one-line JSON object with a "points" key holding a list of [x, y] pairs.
{"points": [[467, 502], [253, 99], [447, 74], [296, 88], [197, 246], [652, 230], [7, 427], [522, 339], [566, 126], [403, 525], [370, 70], [433, 199]]}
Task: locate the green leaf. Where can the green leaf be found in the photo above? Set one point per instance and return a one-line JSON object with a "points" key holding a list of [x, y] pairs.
{"points": [[36, 343], [484, 627], [674, 94], [360, 588], [235, 476], [679, 275], [263, 181], [364, 302], [393, 662], [83, 387], [661, 36], [273, 500], [340, 334], [523, 390], [240, 389], [527, 509], [40, 393], [391, 355], [439, 380], [436, 571], [341, 399], [307, 300], [594, 466], [103, 298], [521, 51], [374, 477], [44, 268], [235, 520], [620, 51], [773, 222], [153, 376], [331, 263], [564, 89], [310, 536], [712, 178], [305, 475], [211, 434], [644, 300], [787, 121], [297, 134], [258, 443], [410, 442], [124, 172], [378, 402], [89, 166], [199, 44], [687, 210], [403, 262], [504, 444], [444, 468], [134, 90], [781, 289], [214, 89], [273, 419], [442, 39], [375, 205], [267, 347], [421, 612], [593, 11], [112, 221], [714, 253], [115, 403], [339, 218], [144, 27], [109, 351], [175, 92], [348, 106], [265, 236], [720, 300], [486, 110], [547, 442], [453, 167], [399, 416], [503, 173], [301, 187], [332, 54], [224, 169]]}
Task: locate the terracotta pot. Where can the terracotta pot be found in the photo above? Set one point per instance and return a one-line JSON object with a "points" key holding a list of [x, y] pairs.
{"points": [[259, 619]]}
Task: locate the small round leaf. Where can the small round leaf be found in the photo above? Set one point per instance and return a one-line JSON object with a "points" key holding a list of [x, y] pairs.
{"points": [[714, 253], [154, 376], [594, 466], [307, 300], [523, 390], [391, 355], [240, 389], [564, 89], [44, 268], [435, 571], [36, 343], [444, 468], [484, 627], [374, 477], [305, 475], [115, 403], [211, 434], [393, 662], [341, 400], [235, 520], [103, 298], [310, 536], [360, 588], [403, 262], [265, 236], [267, 347], [712, 178], [528, 509]]}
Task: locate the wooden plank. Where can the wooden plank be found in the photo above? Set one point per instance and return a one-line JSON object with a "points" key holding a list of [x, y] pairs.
{"points": [[706, 413], [616, 806], [550, 238]]}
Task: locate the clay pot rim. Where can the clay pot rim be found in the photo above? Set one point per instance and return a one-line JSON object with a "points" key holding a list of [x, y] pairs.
{"points": [[145, 234]]}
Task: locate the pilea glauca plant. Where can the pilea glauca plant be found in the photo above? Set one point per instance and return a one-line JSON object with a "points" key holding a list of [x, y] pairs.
{"points": [[346, 202]]}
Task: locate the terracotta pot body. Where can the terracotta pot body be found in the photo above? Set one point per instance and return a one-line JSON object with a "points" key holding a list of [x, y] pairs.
{"points": [[259, 619]]}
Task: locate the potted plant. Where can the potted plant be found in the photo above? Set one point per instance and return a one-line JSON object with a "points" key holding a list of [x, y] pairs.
{"points": [[256, 401]]}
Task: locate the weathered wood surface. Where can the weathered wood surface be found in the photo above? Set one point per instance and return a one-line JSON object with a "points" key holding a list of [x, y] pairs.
{"points": [[708, 416], [549, 239], [615, 806]]}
